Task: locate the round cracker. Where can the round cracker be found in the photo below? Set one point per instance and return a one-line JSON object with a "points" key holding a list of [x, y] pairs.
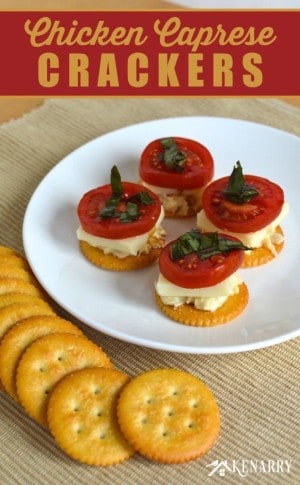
{"points": [[10, 271], [262, 255], [82, 416], [14, 298], [113, 263], [46, 361], [13, 285], [169, 415], [15, 260], [19, 337], [189, 315], [14, 313], [5, 251]]}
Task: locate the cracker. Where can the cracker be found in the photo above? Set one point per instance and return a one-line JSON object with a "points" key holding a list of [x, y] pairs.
{"points": [[5, 250], [13, 298], [14, 313], [262, 255], [19, 337], [10, 271], [168, 415], [46, 361], [189, 315], [13, 285], [113, 263], [15, 260], [82, 416]]}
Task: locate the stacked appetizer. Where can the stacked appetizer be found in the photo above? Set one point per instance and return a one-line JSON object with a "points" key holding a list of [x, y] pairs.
{"points": [[177, 169], [198, 283], [249, 208], [120, 225]]}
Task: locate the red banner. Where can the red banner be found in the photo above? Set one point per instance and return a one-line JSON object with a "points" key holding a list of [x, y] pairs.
{"points": [[150, 53]]}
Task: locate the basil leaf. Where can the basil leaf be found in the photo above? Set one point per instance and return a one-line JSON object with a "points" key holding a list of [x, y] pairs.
{"points": [[173, 158], [132, 203], [108, 212], [116, 183], [204, 245], [237, 190], [142, 198], [132, 213]]}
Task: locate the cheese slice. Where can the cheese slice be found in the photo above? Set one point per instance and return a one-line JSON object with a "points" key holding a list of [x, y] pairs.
{"points": [[209, 298], [264, 237], [122, 247]]}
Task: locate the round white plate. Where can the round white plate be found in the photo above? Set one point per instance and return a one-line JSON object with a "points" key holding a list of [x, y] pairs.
{"points": [[122, 304]]}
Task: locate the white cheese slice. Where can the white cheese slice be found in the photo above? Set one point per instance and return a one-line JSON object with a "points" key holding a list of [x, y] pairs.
{"points": [[120, 247], [164, 287], [208, 298], [264, 237]]}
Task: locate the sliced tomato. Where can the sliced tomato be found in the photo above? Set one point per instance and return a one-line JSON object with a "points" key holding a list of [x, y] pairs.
{"points": [[247, 217], [192, 272], [197, 171], [91, 204]]}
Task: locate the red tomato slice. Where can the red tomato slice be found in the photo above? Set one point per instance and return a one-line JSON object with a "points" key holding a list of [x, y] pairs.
{"points": [[192, 272], [93, 201], [249, 216], [197, 172]]}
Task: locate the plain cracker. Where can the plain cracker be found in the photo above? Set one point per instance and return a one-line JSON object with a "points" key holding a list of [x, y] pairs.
{"points": [[10, 271], [82, 416], [48, 360], [14, 260], [108, 261], [169, 415], [14, 285], [14, 313], [12, 298], [19, 337]]}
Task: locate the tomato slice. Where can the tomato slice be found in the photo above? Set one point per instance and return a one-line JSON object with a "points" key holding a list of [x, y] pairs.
{"points": [[192, 272], [197, 171], [246, 217], [95, 200]]}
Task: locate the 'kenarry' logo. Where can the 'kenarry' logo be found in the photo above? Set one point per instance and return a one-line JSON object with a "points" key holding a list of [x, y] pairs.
{"points": [[246, 467]]}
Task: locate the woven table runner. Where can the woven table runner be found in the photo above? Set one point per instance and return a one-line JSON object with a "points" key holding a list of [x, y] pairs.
{"points": [[257, 391]]}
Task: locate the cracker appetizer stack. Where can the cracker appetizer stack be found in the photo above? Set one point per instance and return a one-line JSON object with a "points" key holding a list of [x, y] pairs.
{"points": [[177, 170], [198, 283], [120, 225], [249, 208]]}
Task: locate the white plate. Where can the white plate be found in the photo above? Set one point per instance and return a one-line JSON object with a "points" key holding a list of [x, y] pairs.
{"points": [[121, 304]]}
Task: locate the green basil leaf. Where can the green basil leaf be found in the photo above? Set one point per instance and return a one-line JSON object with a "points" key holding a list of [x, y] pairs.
{"points": [[237, 191], [116, 183], [172, 156], [131, 214], [108, 212], [205, 245], [132, 211]]}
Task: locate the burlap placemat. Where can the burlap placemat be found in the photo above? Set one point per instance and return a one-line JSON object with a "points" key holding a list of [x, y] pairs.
{"points": [[258, 392]]}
